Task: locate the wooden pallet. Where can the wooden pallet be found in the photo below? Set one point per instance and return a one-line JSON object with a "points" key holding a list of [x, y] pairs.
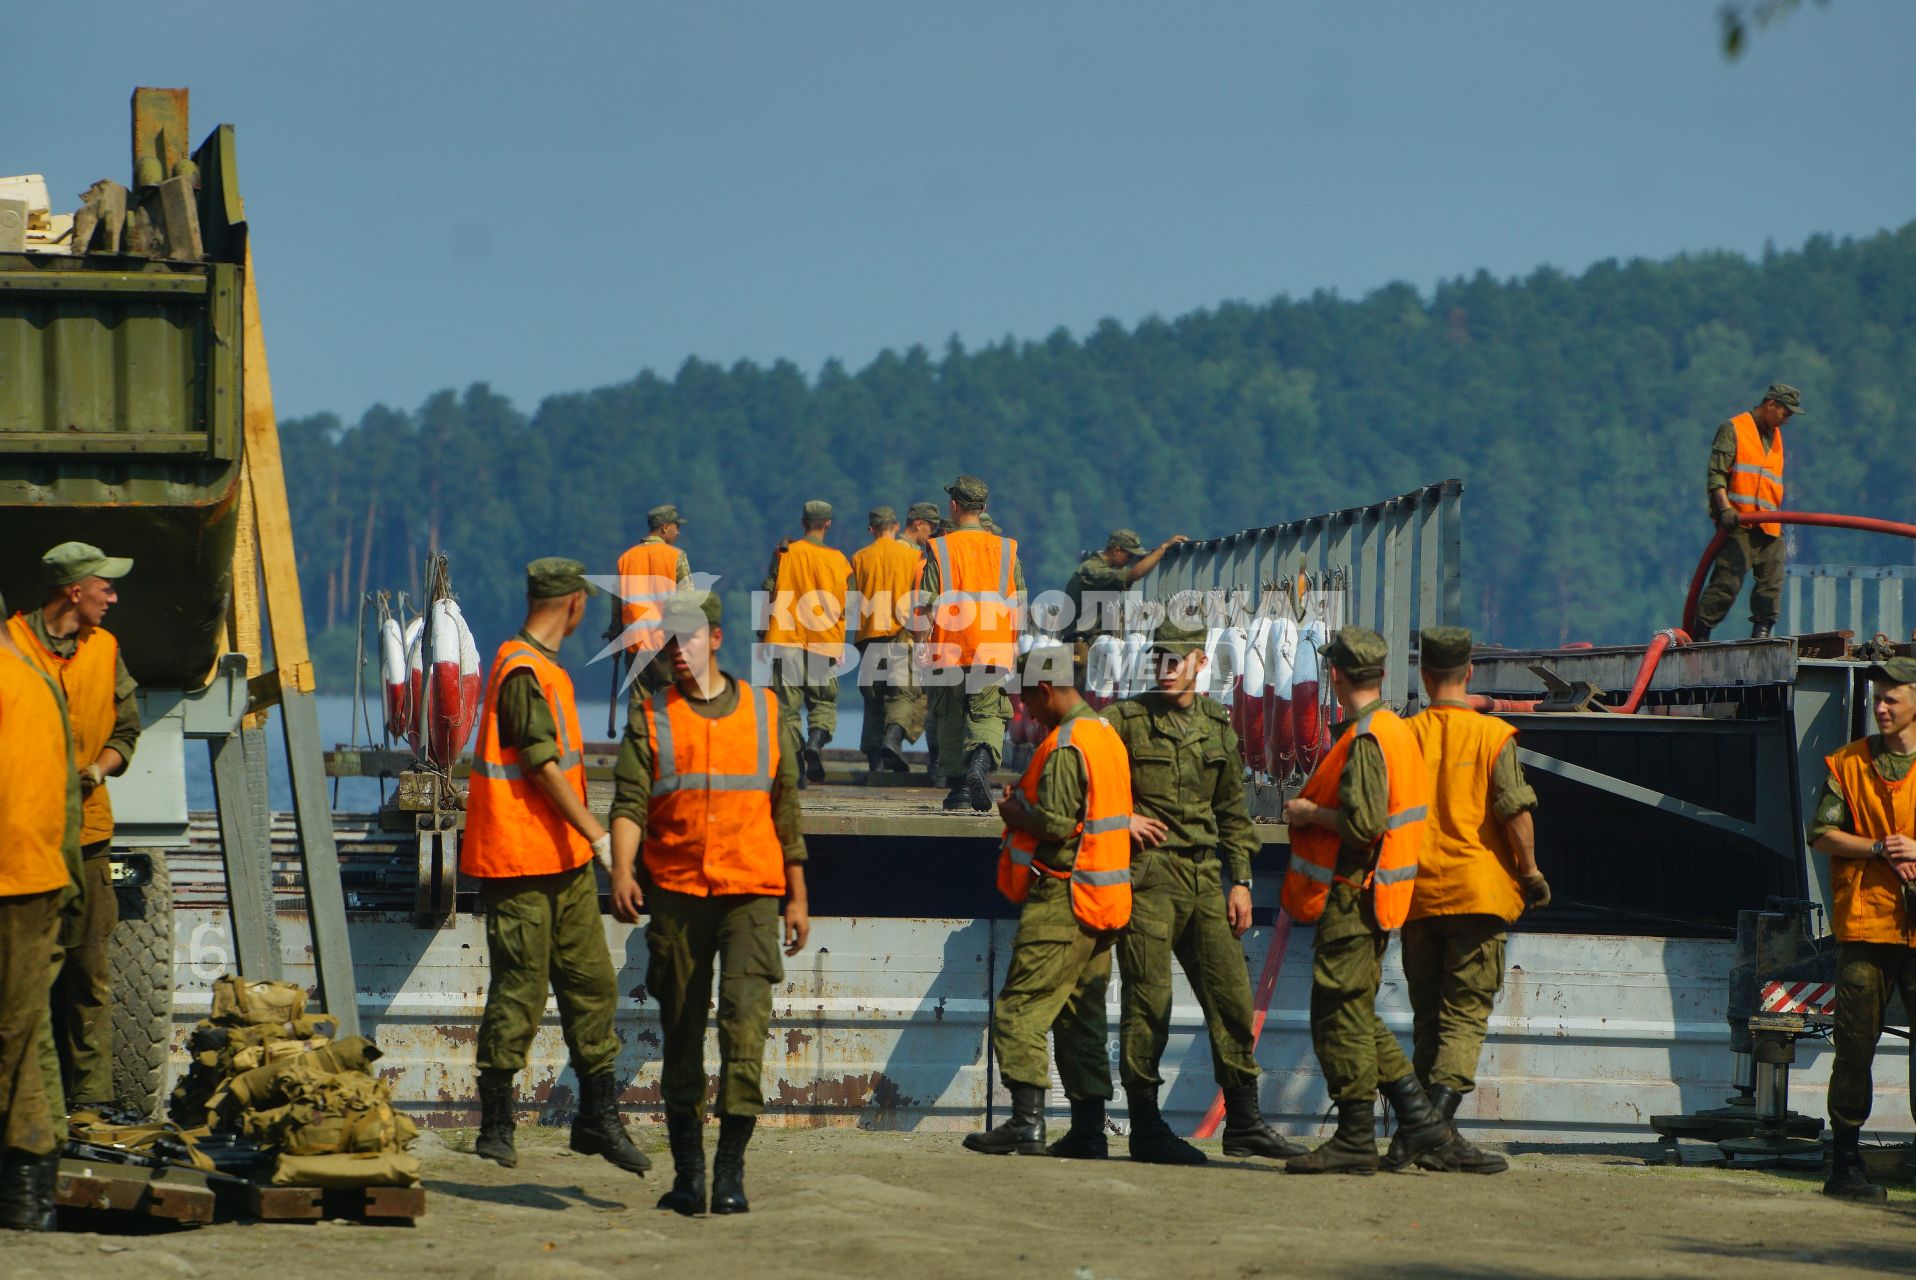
{"points": [[172, 1194], [313, 1204]]}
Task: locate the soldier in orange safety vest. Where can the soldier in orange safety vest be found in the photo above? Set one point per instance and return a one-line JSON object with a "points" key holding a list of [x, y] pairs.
{"points": [[1746, 477], [1066, 858], [705, 837], [649, 572], [1357, 829], [66, 638], [1478, 873], [530, 842], [1865, 822], [804, 632]]}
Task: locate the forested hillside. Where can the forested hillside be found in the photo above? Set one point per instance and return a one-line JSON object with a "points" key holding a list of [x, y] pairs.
{"points": [[1578, 410]]}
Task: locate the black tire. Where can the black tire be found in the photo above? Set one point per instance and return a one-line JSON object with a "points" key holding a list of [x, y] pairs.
{"points": [[141, 957]]}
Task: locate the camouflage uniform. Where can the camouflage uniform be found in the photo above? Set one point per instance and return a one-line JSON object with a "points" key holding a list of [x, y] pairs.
{"points": [[1744, 550], [968, 717]]}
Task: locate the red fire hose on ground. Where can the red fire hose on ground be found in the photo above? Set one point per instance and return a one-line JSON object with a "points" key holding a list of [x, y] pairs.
{"points": [[1660, 644]]}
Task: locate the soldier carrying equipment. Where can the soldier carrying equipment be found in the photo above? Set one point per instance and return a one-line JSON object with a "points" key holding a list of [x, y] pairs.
{"points": [[1746, 475]]}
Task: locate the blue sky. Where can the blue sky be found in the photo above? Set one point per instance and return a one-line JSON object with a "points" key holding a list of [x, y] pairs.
{"points": [[555, 197]]}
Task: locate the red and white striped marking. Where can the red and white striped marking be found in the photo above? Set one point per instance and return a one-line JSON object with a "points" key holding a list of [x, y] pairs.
{"points": [[1799, 997]]}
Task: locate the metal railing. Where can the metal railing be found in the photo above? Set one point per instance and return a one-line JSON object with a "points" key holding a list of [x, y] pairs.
{"points": [[1398, 563], [1865, 599]]}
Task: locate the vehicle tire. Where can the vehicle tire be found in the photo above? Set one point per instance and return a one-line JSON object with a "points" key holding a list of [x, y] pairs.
{"points": [[141, 959]]}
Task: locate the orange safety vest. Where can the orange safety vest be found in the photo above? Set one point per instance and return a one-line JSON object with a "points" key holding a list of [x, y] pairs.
{"points": [[1756, 481], [1393, 873], [1869, 902], [88, 679], [887, 573], [808, 600], [1101, 874], [708, 825], [1467, 867], [33, 784], [975, 621], [648, 574], [511, 828]]}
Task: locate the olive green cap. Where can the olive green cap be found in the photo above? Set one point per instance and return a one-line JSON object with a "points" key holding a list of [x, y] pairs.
{"points": [[1895, 671], [1358, 652], [1786, 395], [970, 491], [1443, 648], [986, 523], [659, 517], [924, 511], [882, 516], [549, 577], [817, 510], [687, 611], [70, 562], [1125, 540], [1171, 638], [1054, 664]]}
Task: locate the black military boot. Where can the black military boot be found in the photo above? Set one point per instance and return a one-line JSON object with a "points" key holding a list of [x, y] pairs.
{"points": [[1848, 1179], [1246, 1134], [1457, 1155], [495, 1119], [687, 1137], [813, 755], [978, 778], [597, 1129], [1420, 1127], [23, 1205], [1762, 630], [1085, 1139], [1022, 1133], [1152, 1141], [874, 761], [1352, 1149], [891, 754], [728, 1164], [1699, 633]]}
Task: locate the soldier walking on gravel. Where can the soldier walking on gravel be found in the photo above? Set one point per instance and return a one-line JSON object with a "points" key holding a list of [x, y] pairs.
{"points": [[530, 842], [1478, 872], [1191, 835], [705, 836]]}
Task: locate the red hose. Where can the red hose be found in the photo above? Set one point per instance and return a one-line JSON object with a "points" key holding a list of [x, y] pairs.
{"points": [[1869, 524], [1266, 987]]}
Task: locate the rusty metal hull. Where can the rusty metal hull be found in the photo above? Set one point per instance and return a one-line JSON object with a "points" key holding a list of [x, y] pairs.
{"points": [[884, 1023]]}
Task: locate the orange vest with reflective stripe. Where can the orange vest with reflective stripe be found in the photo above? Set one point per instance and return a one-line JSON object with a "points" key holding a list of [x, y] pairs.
{"points": [[1101, 874], [808, 601], [1466, 867], [1393, 874], [708, 825], [974, 621], [87, 679], [1756, 479], [648, 574], [1869, 902], [33, 782], [511, 828], [887, 574]]}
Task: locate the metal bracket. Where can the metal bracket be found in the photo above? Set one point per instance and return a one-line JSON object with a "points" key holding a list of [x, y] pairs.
{"points": [[216, 710], [1646, 796], [1564, 695]]}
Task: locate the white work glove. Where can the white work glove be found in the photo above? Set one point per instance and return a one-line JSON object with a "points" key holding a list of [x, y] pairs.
{"points": [[602, 850]]}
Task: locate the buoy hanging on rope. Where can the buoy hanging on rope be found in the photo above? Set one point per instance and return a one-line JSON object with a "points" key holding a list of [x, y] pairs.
{"points": [[394, 683], [1251, 737], [1280, 672], [1307, 718]]}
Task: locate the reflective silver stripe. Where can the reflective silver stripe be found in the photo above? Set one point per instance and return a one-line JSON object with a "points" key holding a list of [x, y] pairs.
{"points": [[711, 782], [1310, 870], [941, 555], [1064, 731], [1022, 857], [1004, 569], [1742, 500], [1396, 875], [1121, 875], [1404, 817], [664, 763], [666, 777], [567, 760], [1748, 470], [762, 714], [1117, 822]]}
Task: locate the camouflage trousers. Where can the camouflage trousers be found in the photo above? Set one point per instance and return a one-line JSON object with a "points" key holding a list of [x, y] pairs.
{"points": [[1744, 551], [83, 985], [542, 929], [1177, 909], [1453, 969], [1056, 983], [1867, 975], [967, 719], [805, 683], [896, 699], [685, 937], [27, 926], [1355, 1050]]}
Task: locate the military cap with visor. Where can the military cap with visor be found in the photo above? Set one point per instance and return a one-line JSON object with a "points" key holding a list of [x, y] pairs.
{"points": [[1125, 540], [818, 510], [1176, 640], [686, 611], [1786, 395], [881, 516], [1443, 648], [924, 511], [1894, 671], [659, 517], [552, 576], [72, 562], [1052, 663], [969, 491], [1358, 652]]}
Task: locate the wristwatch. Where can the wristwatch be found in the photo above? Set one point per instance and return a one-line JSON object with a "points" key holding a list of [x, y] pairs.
{"points": [[1878, 849], [1240, 884]]}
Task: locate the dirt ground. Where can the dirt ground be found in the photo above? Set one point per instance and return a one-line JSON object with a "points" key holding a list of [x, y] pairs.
{"points": [[837, 1202]]}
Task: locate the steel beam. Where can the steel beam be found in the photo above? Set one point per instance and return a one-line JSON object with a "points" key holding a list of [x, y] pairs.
{"points": [[325, 903], [1645, 796]]}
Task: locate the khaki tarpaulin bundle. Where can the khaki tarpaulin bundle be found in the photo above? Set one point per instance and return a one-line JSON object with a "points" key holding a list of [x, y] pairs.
{"points": [[218, 1052], [237, 1002], [157, 1141], [346, 1112], [387, 1169]]}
